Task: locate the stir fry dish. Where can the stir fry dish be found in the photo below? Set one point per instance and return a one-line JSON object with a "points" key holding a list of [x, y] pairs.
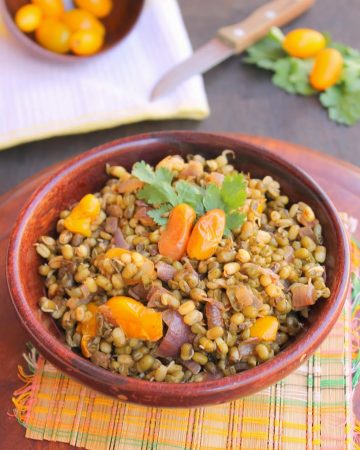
{"points": [[184, 272]]}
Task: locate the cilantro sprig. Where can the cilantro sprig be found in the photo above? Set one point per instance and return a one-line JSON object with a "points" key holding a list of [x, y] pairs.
{"points": [[292, 75], [161, 192]]}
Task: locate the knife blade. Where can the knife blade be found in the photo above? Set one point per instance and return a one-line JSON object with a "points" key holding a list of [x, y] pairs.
{"points": [[232, 40]]}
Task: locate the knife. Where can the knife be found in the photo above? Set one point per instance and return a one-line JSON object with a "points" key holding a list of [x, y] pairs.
{"points": [[232, 40]]}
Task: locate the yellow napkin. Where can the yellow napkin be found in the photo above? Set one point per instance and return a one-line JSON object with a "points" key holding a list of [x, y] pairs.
{"points": [[39, 99]]}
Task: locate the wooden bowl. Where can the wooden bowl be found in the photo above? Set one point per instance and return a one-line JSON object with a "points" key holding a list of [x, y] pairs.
{"points": [[85, 174], [118, 24]]}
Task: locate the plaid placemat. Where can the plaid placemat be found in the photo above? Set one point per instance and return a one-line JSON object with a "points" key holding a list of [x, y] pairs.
{"points": [[310, 409]]}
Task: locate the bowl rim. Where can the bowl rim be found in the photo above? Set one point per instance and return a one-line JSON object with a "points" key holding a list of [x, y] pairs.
{"points": [[272, 371], [48, 55]]}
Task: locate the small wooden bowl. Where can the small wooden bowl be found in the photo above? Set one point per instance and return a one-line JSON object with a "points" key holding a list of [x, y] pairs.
{"points": [[85, 174], [118, 24]]}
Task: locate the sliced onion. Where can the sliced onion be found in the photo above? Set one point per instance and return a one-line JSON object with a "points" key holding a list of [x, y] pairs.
{"points": [[302, 295], [141, 214], [307, 231], [247, 348], [139, 292], [165, 271], [241, 296], [193, 366], [111, 224], [132, 184], [120, 240], [178, 333], [154, 296], [214, 314]]}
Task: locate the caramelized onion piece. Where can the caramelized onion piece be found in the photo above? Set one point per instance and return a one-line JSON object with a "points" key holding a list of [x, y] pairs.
{"points": [[120, 240], [178, 333], [302, 295], [165, 271], [213, 311]]}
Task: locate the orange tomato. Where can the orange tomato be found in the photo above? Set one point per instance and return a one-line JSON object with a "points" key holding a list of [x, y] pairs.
{"points": [[86, 42], [50, 8], [135, 319], [174, 238], [206, 235], [304, 43], [100, 8], [327, 69], [265, 328], [53, 35], [28, 18], [88, 327], [81, 217], [79, 19]]}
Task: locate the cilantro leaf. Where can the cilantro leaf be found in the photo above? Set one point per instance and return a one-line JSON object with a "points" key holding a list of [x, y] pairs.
{"points": [[158, 188], [266, 52], [143, 171], [156, 214], [292, 75], [233, 191], [191, 194], [343, 105], [234, 220], [212, 198]]}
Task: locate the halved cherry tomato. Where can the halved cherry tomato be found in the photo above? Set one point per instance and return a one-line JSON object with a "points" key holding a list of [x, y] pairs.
{"points": [[84, 213], [265, 328], [50, 8], [100, 8], [28, 18], [206, 235], [88, 330], [174, 238], [304, 43], [53, 35], [135, 319], [327, 69]]}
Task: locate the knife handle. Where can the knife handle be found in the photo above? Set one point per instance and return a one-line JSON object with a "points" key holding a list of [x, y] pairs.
{"points": [[276, 13]]}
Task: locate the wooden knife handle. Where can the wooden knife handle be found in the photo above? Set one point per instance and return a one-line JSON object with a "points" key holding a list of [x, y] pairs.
{"points": [[257, 25]]}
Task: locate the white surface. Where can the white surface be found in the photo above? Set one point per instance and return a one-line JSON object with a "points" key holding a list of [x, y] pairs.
{"points": [[40, 99]]}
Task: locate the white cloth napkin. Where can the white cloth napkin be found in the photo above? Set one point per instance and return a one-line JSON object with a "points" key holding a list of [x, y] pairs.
{"points": [[39, 99]]}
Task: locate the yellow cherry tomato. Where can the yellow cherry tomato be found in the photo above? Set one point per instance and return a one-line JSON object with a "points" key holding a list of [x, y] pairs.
{"points": [[304, 43], [79, 19], [100, 8], [135, 319], [327, 69], [265, 328], [81, 217], [50, 8], [53, 35], [86, 42], [28, 18]]}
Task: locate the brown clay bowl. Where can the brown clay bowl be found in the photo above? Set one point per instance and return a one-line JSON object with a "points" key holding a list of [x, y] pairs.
{"points": [[85, 174], [118, 24]]}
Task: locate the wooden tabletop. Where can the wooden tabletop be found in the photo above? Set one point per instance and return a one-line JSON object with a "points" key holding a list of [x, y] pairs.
{"points": [[242, 98]]}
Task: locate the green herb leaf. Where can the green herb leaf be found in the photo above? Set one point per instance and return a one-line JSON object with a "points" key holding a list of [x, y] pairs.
{"points": [[212, 198], [266, 52], [292, 75], [158, 188], [234, 220], [156, 214], [191, 194], [233, 191], [343, 105]]}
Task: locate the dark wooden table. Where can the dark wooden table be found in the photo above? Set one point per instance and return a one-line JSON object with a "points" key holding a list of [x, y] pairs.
{"points": [[241, 98]]}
